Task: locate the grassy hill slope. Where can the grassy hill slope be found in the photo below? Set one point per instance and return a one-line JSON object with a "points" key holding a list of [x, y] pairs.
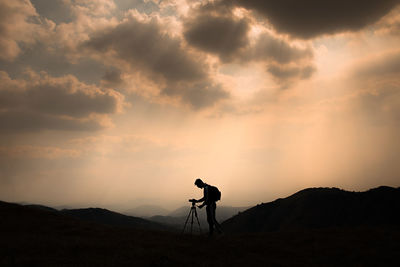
{"points": [[321, 207], [36, 237]]}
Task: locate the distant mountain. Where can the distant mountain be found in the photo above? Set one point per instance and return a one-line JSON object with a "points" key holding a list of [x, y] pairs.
{"points": [[93, 215], [181, 211], [146, 211], [104, 216], [321, 207], [32, 218]]}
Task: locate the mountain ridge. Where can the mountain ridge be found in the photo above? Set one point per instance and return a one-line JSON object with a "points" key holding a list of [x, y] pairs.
{"points": [[91, 215], [321, 207]]}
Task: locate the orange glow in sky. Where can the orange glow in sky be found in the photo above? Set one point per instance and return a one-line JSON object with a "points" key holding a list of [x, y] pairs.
{"points": [[118, 103]]}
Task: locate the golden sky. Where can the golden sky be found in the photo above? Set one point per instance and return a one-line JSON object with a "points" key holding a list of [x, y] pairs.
{"points": [[119, 103]]}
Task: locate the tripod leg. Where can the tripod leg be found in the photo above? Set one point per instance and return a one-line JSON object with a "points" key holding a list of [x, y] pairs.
{"points": [[191, 224], [198, 222], [183, 230]]}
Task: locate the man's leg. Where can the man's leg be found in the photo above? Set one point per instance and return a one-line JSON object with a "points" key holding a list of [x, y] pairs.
{"points": [[210, 219], [217, 225]]}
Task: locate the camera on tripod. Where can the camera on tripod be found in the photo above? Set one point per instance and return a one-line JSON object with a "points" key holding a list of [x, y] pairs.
{"points": [[192, 215], [193, 201]]}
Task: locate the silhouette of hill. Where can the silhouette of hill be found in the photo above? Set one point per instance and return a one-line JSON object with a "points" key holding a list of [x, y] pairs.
{"points": [[104, 216], [94, 215], [32, 236], [319, 208]]}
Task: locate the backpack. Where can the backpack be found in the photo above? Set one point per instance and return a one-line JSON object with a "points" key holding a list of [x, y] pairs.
{"points": [[213, 193]]}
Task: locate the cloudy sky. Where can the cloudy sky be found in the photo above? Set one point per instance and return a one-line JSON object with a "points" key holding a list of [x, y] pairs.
{"points": [[119, 103]]}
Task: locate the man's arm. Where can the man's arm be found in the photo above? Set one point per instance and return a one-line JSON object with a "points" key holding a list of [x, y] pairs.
{"points": [[200, 200], [197, 200], [205, 197]]}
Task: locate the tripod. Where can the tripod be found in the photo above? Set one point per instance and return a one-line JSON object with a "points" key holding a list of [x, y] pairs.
{"points": [[192, 212]]}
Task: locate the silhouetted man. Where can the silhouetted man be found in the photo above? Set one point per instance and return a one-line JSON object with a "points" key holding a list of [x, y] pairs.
{"points": [[209, 200]]}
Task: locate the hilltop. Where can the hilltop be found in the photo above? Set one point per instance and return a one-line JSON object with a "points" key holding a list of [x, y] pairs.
{"points": [[314, 208]]}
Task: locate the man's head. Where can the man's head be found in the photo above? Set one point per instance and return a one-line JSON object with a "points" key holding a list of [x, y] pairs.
{"points": [[199, 183]]}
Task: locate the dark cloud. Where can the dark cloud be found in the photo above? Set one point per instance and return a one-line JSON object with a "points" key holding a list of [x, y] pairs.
{"points": [[200, 95], [270, 48], [310, 18], [393, 28], [221, 35], [145, 47], [285, 74], [54, 62], [159, 56], [285, 62], [112, 78], [55, 10], [31, 121], [71, 98], [214, 28], [44, 102], [390, 24]]}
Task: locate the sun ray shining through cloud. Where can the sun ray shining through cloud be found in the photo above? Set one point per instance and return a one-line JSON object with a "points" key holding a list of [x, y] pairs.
{"points": [[122, 103]]}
